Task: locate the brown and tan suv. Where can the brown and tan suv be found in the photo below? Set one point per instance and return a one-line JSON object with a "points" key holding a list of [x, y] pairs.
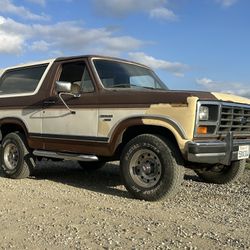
{"points": [[96, 109]]}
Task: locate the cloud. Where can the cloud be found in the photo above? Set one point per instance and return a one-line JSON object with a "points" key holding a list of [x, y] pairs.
{"points": [[175, 68], [10, 43], [227, 3], [78, 37], [122, 43], [117, 8], [163, 13], [39, 2], [62, 36], [40, 46], [7, 7], [226, 87]]}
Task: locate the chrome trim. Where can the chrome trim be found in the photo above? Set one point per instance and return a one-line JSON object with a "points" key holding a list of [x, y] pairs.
{"points": [[65, 156], [210, 155], [211, 123], [232, 119], [217, 124], [63, 86], [235, 104], [223, 152], [210, 144]]}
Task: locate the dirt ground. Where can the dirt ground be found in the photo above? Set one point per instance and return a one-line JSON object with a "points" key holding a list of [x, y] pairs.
{"points": [[63, 207]]}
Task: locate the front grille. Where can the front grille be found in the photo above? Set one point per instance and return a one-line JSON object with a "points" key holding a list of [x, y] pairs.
{"points": [[235, 119]]}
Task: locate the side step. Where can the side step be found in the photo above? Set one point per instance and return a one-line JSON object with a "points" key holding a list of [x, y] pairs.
{"points": [[65, 156]]}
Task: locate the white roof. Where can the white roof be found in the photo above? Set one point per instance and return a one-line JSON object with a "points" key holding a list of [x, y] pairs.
{"points": [[28, 64]]}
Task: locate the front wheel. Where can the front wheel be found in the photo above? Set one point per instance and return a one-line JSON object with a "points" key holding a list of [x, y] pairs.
{"points": [[16, 160], [220, 174], [151, 167]]}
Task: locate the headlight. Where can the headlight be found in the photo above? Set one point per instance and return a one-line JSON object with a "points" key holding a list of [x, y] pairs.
{"points": [[203, 113], [207, 118]]}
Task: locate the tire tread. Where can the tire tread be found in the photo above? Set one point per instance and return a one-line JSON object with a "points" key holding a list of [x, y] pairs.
{"points": [[28, 162], [231, 174], [169, 187]]}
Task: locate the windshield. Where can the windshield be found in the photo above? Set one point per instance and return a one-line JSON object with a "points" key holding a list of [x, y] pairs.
{"points": [[115, 74]]}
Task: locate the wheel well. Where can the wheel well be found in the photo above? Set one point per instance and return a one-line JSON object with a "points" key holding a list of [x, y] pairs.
{"points": [[134, 131], [10, 127]]}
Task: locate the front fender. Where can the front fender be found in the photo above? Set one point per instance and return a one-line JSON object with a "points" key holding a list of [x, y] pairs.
{"points": [[116, 134]]}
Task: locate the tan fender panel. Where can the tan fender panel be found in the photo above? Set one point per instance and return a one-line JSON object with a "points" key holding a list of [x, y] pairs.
{"points": [[182, 114]]}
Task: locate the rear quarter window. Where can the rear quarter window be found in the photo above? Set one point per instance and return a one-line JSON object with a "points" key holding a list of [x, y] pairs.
{"points": [[22, 80]]}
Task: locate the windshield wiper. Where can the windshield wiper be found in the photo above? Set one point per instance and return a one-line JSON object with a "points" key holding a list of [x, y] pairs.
{"points": [[125, 85], [151, 88], [121, 85]]}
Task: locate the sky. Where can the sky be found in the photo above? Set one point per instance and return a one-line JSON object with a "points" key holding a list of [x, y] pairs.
{"points": [[191, 44]]}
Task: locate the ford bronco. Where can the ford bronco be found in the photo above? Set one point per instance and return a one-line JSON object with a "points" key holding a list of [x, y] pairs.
{"points": [[95, 109]]}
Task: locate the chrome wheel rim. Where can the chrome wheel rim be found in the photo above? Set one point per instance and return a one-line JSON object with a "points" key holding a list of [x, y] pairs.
{"points": [[11, 156], [145, 168]]}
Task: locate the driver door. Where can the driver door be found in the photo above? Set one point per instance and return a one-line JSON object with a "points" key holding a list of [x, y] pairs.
{"points": [[62, 129]]}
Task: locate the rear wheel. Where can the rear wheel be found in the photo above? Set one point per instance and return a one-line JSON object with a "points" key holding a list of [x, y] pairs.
{"points": [[16, 160], [220, 174], [151, 167]]}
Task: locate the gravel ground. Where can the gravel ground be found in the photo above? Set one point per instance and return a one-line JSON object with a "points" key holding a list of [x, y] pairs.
{"points": [[63, 207]]}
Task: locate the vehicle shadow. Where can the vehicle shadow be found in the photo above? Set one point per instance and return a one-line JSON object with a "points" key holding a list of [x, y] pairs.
{"points": [[106, 180], [191, 176]]}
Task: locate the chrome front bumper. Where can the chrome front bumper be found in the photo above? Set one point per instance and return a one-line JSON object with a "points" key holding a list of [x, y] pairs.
{"points": [[223, 152]]}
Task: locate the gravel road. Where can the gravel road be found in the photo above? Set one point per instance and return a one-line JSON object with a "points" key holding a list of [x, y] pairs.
{"points": [[63, 207]]}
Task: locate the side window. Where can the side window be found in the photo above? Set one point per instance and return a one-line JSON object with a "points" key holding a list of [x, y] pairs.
{"points": [[23, 80], [77, 72]]}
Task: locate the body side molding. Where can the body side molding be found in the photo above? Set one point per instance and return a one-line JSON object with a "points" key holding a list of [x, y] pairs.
{"points": [[70, 137]]}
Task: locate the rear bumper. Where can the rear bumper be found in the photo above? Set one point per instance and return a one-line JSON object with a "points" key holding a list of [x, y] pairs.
{"points": [[223, 152]]}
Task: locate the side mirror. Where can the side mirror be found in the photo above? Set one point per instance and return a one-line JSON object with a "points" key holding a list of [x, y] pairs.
{"points": [[63, 87], [68, 88]]}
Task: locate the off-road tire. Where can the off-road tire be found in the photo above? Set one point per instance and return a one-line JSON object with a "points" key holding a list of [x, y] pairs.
{"points": [[16, 160], [91, 166], [225, 174], [151, 167]]}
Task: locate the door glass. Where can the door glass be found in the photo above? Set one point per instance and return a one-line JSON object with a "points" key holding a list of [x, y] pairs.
{"points": [[77, 73]]}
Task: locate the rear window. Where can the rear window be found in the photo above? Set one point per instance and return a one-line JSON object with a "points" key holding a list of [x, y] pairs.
{"points": [[23, 80]]}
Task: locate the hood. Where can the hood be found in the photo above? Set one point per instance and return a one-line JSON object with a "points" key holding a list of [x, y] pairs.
{"points": [[147, 97], [231, 98]]}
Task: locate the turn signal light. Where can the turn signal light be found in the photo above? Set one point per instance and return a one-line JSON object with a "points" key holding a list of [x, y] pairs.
{"points": [[202, 130]]}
